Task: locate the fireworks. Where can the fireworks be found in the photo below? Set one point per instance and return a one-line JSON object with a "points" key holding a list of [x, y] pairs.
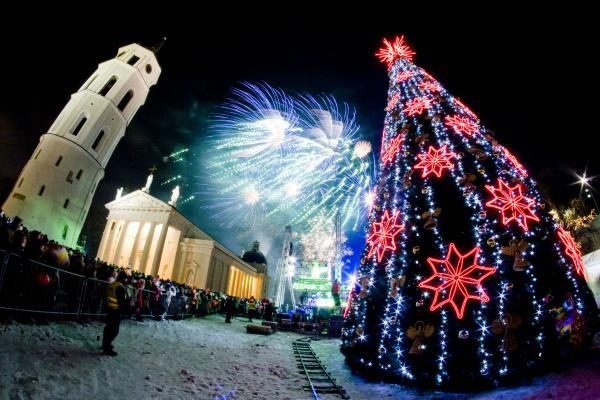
{"points": [[362, 148], [280, 159]]}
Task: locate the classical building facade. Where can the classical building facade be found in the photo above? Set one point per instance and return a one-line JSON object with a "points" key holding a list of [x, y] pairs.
{"points": [[54, 191], [152, 237]]}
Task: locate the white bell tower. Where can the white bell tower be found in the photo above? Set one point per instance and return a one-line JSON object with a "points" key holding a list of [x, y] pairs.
{"points": [[55, 189]]}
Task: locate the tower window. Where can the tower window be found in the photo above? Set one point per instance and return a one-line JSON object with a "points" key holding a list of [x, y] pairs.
{"points": [[133, 60], [41, 192], [57, 163], [112, 226], [20, 182], [98, 139], [121, 54], [148, 68], [66, 203], [70, 177], [111, 82], [37, 154], [79, 126], [65, 230], [79, 174], [125, 100]]}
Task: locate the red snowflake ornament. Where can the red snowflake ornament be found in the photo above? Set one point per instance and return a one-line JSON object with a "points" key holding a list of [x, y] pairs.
{"points": [[456, 280], [416, 106], [435, 161], [404, 75], [463, 125], [430, 86], [383, 236], [512, 204], [572, 251], [392, 149], [393, 101], [393, 51]]}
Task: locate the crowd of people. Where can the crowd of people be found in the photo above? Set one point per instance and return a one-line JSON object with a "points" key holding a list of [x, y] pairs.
{"points": [[42, 274]]}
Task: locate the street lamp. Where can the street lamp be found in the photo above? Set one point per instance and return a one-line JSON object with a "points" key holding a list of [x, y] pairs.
{"points": [[584, 181]]}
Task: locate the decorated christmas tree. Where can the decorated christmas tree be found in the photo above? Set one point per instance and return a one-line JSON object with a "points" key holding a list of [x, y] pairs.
{"points": [[466, 280]]}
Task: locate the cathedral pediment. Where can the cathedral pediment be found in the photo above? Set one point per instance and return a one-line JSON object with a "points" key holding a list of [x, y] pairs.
{"points": [[138, 201]]}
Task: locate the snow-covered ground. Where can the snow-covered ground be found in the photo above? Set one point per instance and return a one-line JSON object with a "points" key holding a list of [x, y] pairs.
{"points": [[578, 383], [205, 359], [192, 359]]}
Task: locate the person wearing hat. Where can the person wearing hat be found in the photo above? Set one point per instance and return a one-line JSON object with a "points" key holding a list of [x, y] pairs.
{"points": [[115, 303]]}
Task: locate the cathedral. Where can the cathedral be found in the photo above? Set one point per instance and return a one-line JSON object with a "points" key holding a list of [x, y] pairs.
{"points": [[152, 237]]}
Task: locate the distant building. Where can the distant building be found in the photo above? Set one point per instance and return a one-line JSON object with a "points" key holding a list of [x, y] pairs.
{"points": [[257, 259], [154, 238]]}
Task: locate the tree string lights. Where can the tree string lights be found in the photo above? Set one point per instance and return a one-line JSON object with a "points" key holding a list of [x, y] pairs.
{"points": [[422, 311]]}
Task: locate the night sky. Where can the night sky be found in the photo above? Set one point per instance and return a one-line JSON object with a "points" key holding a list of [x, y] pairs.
{"points": [[530, 86]]}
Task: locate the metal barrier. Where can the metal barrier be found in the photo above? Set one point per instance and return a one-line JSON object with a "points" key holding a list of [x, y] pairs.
{"points": [[34, 287]]}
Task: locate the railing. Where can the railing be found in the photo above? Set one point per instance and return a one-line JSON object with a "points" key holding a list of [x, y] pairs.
{"points": [[33, 287]]}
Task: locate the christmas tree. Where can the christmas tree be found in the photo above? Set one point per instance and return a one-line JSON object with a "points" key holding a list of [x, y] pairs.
{"points": [[466, 280]]}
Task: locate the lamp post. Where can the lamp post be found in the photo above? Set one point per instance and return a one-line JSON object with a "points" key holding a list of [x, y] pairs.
{"points": [[584, 181]]}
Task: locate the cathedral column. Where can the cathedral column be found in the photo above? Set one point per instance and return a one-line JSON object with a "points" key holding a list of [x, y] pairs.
{"points": [[241, 284], [110, 246], [117, 254], [159, 249], [104, 254], [104, 241], [246, 285], [230, 281], [147, 244], [238, 277], [136, 244], [253, 288]]}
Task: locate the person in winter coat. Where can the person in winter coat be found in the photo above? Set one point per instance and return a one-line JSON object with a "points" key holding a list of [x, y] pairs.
{"points": [[269, 311], [251, 308], [229, 308], [335, 292], [115, 303], [169, 293], [139, 285]]}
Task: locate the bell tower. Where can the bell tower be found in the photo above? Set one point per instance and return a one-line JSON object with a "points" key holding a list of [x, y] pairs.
{"points": [[55, 189]]}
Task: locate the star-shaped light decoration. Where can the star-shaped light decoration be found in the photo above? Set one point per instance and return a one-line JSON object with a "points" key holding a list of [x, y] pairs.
{"points": [[462, 125], [456, 280], [430, 86], [572, 251], [416, 106], [513, 160], [392, 149], [383, 235], [393, 51], [511, 202], [404, 75], [435, 161]]}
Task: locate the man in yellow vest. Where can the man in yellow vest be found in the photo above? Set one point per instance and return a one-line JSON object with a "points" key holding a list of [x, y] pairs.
{"points": [[115, 303]]}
